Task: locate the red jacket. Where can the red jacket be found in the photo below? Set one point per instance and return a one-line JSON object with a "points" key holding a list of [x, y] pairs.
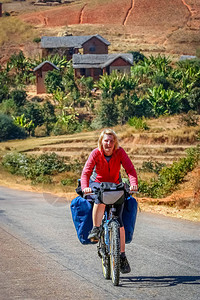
{"points": [[108, 171]]}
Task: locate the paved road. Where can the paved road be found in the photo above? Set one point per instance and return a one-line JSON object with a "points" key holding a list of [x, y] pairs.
{"points": [[41, 257]]}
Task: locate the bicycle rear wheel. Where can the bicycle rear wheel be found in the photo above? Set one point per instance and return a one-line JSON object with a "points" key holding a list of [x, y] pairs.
{"points": [[114, 252]]}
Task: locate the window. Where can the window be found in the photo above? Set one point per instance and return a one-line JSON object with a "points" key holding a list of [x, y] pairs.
{"points": [[82, 72], [92, 49]]}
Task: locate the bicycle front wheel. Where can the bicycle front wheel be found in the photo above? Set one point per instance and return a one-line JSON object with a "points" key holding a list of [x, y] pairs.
{"points": [[106, 267], [114, 252], [105, 259]]}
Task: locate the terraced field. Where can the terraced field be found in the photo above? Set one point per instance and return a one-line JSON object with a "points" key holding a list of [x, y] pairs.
{"points": [[79, 146]]}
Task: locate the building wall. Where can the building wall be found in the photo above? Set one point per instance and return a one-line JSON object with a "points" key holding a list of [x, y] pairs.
{"points": [[40, 76], [95, 46], [120, 62], [120, 65], [90, 72]]}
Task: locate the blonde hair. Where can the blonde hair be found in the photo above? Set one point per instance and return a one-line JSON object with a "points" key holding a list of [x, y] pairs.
{"points": [[109, 132]]}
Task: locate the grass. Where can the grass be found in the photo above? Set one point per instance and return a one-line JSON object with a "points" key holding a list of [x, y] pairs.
{"points": [[12, 28]]}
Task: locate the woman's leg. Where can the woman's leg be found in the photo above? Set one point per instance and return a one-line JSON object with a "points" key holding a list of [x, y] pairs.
{"points": [[97, 214]]}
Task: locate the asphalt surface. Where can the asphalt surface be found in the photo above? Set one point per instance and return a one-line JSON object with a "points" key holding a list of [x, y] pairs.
{"points": [[41, 257]]}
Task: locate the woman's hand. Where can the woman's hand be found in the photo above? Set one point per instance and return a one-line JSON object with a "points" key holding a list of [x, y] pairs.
{"points": [[87, 190], [133, 188]]}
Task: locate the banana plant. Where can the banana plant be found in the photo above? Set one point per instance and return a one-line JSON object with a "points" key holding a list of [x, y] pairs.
{"points": [[115, 84], [24, 123], [163, 102]]}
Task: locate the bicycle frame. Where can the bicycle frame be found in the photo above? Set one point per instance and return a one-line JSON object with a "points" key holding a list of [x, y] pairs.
{"points": [[104, 228]]}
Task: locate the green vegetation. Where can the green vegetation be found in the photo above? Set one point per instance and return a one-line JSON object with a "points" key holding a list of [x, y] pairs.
{"points": [[154, 88], [170, 177], [8, 130], [40, 169], [138, 123]]}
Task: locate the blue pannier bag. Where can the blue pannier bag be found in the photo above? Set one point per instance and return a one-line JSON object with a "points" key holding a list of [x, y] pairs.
{"points": [[129, 217], [81, 210]]}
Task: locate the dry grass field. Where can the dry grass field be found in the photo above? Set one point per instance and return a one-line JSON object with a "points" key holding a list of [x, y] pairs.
{"points": [[165, 142]]}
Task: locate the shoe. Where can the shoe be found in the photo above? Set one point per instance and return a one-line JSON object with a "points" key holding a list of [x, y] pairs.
{"points": [[94, 234], [124, 265]]}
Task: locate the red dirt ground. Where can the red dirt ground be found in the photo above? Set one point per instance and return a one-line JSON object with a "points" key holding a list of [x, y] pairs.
{"points": [[172, 24], [141, 13]]}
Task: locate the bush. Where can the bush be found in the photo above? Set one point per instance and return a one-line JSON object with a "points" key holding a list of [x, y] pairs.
{"points": [[16, 163], [190, 119], [8, 130], [194, 99], [162, 80], [3, 93], [108, 113], [170, 177], [39, 169], [19, 97], [34, 167], [9, 107], [37, 40], [152, 166], [126, 107], [138, 123], [33, 112], [53, 81], [137, 56]]}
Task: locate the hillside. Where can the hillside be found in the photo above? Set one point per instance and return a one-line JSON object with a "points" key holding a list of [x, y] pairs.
{"points": [[167, 27], [156, 145], [156, 26]]}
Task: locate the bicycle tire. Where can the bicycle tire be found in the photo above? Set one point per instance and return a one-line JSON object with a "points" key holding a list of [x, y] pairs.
{"points": [[106, 267], [105, 260], [114, 252]]}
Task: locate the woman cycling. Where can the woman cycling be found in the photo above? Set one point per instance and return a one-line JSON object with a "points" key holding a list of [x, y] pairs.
{"points": [[103, 165]]}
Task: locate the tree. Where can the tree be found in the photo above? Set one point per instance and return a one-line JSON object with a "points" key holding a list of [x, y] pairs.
{"points": [[194, 99], [33, 112], [24, 123], [8, 130], [23, 67], [49, 116], [85, 86], [9, 107], [4, 92], [126, 107], [108, 113], [53, 80], [19, 97], [137, 56]]}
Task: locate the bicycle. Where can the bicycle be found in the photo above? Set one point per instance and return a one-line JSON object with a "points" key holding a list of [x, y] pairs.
{"points": [[109, 243]]}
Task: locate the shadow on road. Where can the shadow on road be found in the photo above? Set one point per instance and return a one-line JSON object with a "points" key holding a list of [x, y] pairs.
{"points": [[161, 281]]}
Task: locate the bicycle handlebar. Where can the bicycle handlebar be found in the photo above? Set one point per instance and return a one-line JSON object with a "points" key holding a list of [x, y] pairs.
{"points": [[93, 193]]}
